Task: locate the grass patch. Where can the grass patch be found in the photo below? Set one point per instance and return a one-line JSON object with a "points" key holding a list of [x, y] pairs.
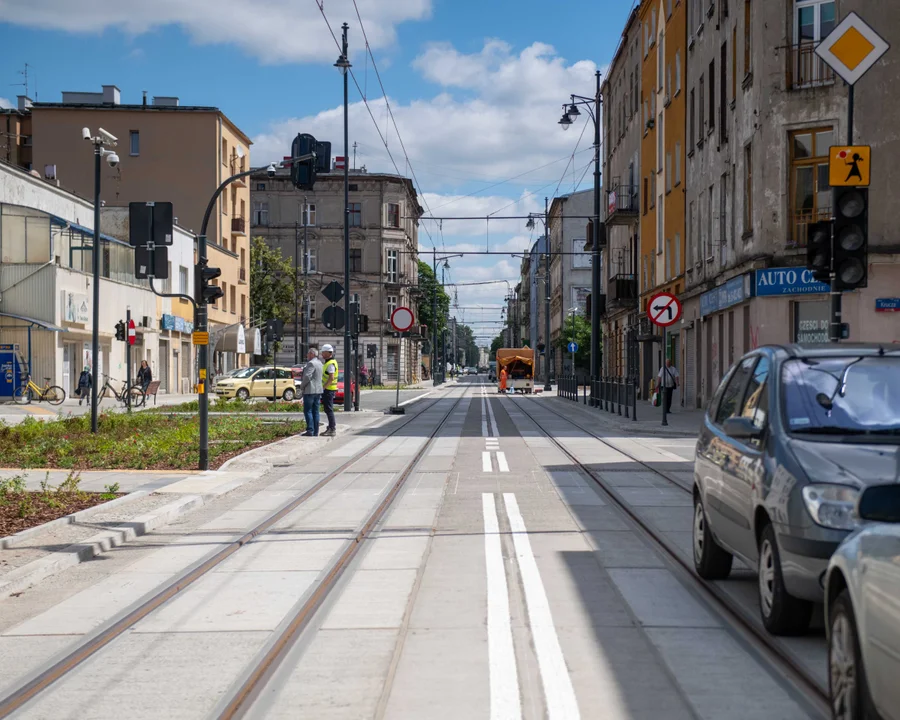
{"points": [[21, 509], [233, 405], [140, 441]]}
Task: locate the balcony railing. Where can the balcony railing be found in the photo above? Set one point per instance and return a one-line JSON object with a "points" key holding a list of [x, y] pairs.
{"points": [[621, 290], [805, 69], [622, 204], [238, 226], [801, 222]]}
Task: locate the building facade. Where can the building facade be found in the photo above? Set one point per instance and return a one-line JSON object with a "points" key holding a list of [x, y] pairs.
{"points": [[15, 134], [384, 212]]}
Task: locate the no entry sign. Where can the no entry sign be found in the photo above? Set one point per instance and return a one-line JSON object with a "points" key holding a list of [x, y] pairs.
{"points": [[664, 310], [402, 319]]}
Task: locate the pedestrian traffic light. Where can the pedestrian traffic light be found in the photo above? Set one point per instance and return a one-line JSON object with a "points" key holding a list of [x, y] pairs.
{"points": [[274, 330], [121, 332], [851, 230], [818, 250], [303, 172], [206, 292]]}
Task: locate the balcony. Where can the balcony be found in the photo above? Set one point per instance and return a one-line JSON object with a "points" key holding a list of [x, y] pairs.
{"points": [[801, 221], [242, 276], [805, 69], [622, 205], [236, 167], [238, 226], [621, 291]]}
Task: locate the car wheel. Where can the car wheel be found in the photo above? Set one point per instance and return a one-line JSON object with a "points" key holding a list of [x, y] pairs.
{"points": [[782, 613], [288, 395], [243, 394], [711, 561], [847, 685]]}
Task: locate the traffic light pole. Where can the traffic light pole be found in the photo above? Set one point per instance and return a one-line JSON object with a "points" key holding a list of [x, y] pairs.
{"points": [[348, 400], [95, 266], [834, 327], [128, 357]]}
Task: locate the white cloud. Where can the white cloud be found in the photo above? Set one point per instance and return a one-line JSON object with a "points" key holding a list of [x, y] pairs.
{"points": [[6, 104], [275, 31]]}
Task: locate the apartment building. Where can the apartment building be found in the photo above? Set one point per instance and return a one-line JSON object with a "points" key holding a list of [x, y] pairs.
{"points": [[623, 127], [662, 231], [15, 133], [168, 152], [384, 213]]}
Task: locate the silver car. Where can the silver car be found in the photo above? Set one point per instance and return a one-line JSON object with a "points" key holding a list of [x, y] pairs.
{"points": [[862, 592], [792, 436]]}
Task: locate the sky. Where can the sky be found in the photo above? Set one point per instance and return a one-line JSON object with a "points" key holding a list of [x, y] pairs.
{"points": [[473, 88]]}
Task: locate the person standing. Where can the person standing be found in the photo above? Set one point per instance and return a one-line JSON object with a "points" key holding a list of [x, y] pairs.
{"points": [[311, 390], [364, 376], [144, 376], [667, 380], [330, 386], [503, 377], [85, 382]]}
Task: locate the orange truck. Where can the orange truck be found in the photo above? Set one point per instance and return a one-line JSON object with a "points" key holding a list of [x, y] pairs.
{"points": [[519, 366]]}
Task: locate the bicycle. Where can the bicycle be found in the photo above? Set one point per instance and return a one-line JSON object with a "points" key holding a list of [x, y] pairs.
{"points": [[53, 394], [130, 396]]}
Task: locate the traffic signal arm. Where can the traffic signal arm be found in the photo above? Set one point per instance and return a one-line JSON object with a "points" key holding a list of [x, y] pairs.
{"points": [[204, 275]]}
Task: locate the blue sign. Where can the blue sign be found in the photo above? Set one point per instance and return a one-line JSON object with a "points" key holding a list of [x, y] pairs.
{"points": [[788, 281], [167, 322], [573, 347], [731, 293], [887, 304], [178, 324]]}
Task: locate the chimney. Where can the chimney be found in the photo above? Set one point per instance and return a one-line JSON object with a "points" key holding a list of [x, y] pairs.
{"points": [[110, 95], [24, 102], [145, 98], [165, 101]]}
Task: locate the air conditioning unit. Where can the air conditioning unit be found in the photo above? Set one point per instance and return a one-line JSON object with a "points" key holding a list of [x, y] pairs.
{"points": [[147, 321]]}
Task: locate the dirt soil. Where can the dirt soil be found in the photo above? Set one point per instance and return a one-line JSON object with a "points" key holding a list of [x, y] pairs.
{"points": [[20, 511]]}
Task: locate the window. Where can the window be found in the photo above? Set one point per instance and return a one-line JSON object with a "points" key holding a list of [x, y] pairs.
{"points": [[135, 137], [668, 8], [712, 96], [677, 71], [691, 236], [659, 226], [312, 308], [731, 403], [309, 214], [677, 254], [356, 260], [224, 297], [393, 215], [313, 264], [233, 292], [813, 20], [702, 108], [810, 191], [748, 36], [723, 94], [707, 241], [391, 266], [677, 164], [659, 143], [748, 189], [668, 172], [167, 283], [660, 59], [669, 259], [668, 82], [644, 286], [224, 151], [646, 194], [734, 64], [693, 125], [756, 403], [260, 187], [183, 281], [391, 306], [356, 214], [723, 212], [260, 213]]}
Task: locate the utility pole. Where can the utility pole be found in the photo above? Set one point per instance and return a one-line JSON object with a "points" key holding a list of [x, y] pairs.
{"points": [[547, 350], [434, 329], [95, 268], [348, 399], [305, 280], [596, 349], [296, 294]]}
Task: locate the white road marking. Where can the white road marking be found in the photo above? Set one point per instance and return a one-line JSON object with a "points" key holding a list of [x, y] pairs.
{"points": [[558, 690], [484, 427], [504, 681], [415, 399], [501, 462], [494, 431], [486, 465]]}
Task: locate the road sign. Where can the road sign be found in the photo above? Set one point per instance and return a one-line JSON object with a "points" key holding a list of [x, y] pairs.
{"points": [[334, 291], [849, 165], [664, 310], [333, 317], [852, 48], [200, 338], [132, 332], [573, 347], [151, 222], [402, 319]]}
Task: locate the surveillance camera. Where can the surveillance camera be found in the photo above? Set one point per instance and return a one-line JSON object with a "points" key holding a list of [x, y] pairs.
{"points": [[86, 133], [270, 171], [113, 160], [108, 137]]}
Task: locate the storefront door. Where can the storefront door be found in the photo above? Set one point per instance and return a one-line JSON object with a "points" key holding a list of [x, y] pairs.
{"points": [[163, 366]]}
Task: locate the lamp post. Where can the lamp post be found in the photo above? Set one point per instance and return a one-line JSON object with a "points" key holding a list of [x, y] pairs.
{"points": [[573, 311], [343, 64], [570, 112], [530, 226], [104, 138]]}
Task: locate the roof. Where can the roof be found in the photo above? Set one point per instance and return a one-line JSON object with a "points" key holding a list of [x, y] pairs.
{"points": [[62, 222], [43, 324]]}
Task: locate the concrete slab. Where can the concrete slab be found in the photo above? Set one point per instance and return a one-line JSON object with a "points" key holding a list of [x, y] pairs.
{"points": [[395, 552], [275, 553], [237, 520], [20, 656], [624, 550], [372, 599], [656, 497], [658, 600], [453, 591], [580, 495], [179, 555]]}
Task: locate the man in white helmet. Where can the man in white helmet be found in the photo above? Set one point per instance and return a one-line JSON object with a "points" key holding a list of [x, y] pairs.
{"points": [[330, 385]]}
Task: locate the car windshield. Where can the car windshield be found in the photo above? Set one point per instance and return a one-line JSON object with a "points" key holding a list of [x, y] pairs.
{"points": [[244, 372], [845, 395]]}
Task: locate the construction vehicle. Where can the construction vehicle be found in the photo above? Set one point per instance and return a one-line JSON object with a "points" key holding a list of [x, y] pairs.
{"points": [[519, 366]]}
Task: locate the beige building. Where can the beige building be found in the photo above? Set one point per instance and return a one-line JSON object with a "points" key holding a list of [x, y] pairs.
{"points": [[15, 134], [168, 152]]}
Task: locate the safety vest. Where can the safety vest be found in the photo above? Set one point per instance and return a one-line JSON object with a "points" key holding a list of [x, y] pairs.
{"points": [[330, 367]]}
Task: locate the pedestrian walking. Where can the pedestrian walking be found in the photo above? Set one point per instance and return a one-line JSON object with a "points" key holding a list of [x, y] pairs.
{"points": [[330, 386], [311, 390], [667, 380], [85, 382], [364, 376], [144, 376]]}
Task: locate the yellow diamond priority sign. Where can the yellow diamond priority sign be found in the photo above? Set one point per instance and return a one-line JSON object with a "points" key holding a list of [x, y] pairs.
{"points": [[852, 48]]}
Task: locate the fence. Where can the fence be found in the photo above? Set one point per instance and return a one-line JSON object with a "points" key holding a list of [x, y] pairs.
{"points": [[616, 395]]}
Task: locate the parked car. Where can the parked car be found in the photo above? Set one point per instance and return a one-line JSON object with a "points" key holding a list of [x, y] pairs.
{"points": [[471, 371], [791, 438], [339, 395], [257, 382], [862, 593]]}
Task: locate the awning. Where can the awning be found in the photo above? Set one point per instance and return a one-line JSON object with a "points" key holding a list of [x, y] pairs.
{"points": [[254, 341], [43, 324], [232, 339], [56, 220]]}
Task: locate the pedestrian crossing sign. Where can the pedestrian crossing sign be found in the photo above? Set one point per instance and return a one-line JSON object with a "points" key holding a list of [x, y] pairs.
{"points": [[849, 165]]}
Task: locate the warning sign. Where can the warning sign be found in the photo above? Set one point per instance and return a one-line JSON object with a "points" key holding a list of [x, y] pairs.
{"points": [[849, 165], [200, 338], [664, 310]]}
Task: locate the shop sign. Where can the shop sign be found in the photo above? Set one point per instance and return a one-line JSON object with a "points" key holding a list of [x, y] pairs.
{"points": [[788, 281], [75, 308], [731, 293], [887, 304], [167, 322]]}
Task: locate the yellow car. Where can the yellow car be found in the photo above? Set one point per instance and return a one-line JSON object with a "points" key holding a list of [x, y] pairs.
{"points": [[256, 382]]}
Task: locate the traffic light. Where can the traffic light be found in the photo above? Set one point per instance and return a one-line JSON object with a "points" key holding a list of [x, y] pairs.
{"points": [[303, 173], [121, 331], [274, 330], [818, 250], [364, 323], [205, 290], [851, 231], [354, 319]]}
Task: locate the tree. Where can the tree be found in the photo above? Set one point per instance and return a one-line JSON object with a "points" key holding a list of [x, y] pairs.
{"points": [[578, 328], [497, 343], [428, 284], [273, 282]]}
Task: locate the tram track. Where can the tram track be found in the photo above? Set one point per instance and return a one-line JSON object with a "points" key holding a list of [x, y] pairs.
{"points": [[766, 646], [242, 699]]}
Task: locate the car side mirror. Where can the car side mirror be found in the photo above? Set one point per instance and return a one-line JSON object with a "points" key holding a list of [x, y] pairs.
{"points": [[880, 503], [741, 428]]}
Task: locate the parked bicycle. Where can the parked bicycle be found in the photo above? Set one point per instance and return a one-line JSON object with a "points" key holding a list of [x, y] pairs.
{"points": [[129, 396], [53, 394]]}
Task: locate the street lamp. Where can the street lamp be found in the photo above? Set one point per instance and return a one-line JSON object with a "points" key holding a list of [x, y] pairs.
{"points": [[343, 65], [437, 380], [570, 113], [530, 225], [573, 311], [102, 138]]}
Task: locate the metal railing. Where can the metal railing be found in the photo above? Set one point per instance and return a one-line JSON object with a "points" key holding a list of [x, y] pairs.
{"points": [[238, 225], [802, 219], [616, 395], [805, 69], [623, 199]]}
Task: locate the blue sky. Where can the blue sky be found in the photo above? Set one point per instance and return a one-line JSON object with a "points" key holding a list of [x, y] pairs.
{"points": [[475, 87]]}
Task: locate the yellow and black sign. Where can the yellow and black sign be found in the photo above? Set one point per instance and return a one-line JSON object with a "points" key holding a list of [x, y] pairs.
{"points": [[200, 338], [203, 373], [849, 165]]}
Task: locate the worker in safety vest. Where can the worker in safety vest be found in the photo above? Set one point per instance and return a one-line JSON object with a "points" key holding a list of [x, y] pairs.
{"points": [[503, 377], [330, 386]]}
